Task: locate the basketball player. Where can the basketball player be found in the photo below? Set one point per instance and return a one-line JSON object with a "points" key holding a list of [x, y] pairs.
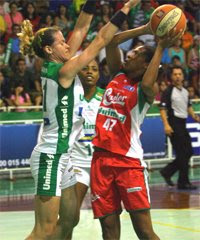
{"points": [[50, 165], [82, 151], [118, 172]]}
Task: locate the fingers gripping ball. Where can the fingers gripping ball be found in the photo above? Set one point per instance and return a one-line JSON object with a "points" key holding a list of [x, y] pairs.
{"points": [[165, 18]]}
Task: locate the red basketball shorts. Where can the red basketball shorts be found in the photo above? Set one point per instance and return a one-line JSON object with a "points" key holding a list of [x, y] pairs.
{"points": [[111, 185]]}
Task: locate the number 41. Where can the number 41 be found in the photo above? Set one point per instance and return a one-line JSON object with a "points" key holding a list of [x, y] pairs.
{"points": [[109, 124]]}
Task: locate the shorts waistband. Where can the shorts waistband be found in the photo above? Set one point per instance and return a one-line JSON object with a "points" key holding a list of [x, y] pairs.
{"points": [[98, 149]]}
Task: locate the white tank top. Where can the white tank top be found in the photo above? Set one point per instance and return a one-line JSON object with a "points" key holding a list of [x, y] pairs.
{"points": [[62, 112], [82, 151]]}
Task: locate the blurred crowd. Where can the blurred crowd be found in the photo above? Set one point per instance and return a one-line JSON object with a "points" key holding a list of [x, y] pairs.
{"points": [[19, 76]]}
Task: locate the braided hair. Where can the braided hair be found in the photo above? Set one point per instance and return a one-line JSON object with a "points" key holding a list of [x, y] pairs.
{"points": [[31, 44]]}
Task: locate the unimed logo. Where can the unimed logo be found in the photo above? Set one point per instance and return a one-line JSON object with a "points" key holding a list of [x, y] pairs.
{"points": [[47, 177]]}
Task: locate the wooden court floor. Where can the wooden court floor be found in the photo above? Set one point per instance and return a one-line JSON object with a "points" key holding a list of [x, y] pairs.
{"points": [[175, 214]]}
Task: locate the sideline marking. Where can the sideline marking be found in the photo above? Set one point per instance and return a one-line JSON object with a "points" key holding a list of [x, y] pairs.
{"points": [[177, 227]]}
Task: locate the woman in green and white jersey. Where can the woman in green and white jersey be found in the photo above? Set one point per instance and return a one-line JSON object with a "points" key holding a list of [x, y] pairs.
{"points": [[82, 151], [50, 165]]}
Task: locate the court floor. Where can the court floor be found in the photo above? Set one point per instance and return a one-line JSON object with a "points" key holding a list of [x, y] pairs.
{"points": [[175, 214]]}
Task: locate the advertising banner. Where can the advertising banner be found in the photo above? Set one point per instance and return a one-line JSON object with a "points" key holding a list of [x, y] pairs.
{"points": [[18, 140]]}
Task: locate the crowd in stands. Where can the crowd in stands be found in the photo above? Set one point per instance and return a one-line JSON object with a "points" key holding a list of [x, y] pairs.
{"points": [[19, 76]]}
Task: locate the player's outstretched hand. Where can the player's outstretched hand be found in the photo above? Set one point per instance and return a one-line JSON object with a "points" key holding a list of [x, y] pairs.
{"points": [[169, 39]]}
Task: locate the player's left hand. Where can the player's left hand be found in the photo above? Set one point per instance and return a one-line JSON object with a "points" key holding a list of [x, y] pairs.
{"points": [[169, 39]]}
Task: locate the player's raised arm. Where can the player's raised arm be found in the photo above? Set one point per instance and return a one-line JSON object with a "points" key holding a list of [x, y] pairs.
{"points": [[82, 26], [148, 83]]}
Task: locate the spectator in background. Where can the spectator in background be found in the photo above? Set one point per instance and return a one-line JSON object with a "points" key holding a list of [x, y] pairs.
{"points": [[12, 50], [30, 13], [166, 59], [20, 97], [2, 27], [192, 93], [92, 33], [143, 14], [106, 11], [47, 20], [62, 19], [174, 109], [2, 55], [30, 61], [176, 61], [194, 64], [84, 45], [162, 86], [192, 6], [187, 40], [42, 6], [4, 7], [177, 50], [22, 76], [14, 17], [5, 92], [125, 46], [190, 17], [3, 66]]}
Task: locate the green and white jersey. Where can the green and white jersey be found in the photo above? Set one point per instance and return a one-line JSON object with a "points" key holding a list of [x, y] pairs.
{"points": [[82, 151], [62, 112]]}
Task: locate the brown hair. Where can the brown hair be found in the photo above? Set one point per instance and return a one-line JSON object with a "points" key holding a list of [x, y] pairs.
{"points": [[30, 44]]}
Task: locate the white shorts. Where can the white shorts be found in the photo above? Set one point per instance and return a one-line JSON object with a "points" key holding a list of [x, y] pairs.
{"points": [[51, 173], [82, 175]]}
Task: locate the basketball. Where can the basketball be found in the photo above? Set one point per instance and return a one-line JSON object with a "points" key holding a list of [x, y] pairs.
{"points": [[165, 18]]}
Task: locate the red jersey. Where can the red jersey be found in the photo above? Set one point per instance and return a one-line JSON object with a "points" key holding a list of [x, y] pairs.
{"points": [[121, 112]]}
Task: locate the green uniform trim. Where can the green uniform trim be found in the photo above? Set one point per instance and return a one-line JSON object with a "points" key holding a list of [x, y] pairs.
{"points": [[47, 175], [64, 115], [141, 98]]}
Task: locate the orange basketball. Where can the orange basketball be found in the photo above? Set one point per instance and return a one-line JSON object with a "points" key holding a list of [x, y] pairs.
{"points": [[165, 18]]}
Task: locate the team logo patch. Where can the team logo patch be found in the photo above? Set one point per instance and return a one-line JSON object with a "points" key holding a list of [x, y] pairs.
{"points": [[129, 88], [160, 14]]}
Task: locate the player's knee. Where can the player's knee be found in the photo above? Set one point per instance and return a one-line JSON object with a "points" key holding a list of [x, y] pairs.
{"points": [[45, 231], [67, 225], [146, 234]]}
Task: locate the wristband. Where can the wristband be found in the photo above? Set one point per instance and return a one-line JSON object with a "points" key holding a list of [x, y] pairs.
{"points": [[118, 18], [89, 7]]}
